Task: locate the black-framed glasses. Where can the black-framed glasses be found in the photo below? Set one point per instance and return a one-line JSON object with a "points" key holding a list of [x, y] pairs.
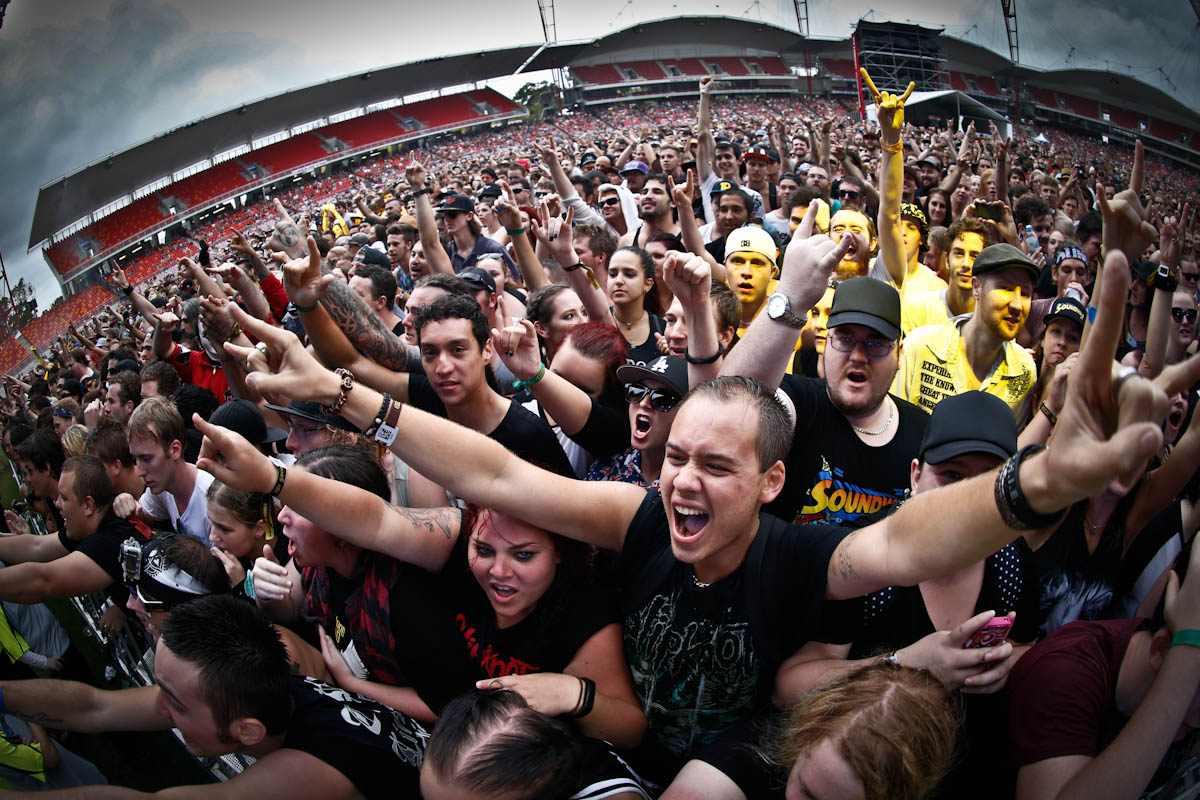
{"points": [[848, 194], [660, 399], [1180, 314], [610, 201], [875, 348]]}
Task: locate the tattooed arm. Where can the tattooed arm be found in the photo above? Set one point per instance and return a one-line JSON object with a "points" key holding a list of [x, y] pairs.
{"points": [[67, 705], [366, 332]]}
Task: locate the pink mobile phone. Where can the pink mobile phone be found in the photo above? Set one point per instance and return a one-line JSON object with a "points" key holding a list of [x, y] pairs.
{"points": [[991, 635]]}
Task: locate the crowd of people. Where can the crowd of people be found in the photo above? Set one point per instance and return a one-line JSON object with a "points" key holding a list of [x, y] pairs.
{"points": [[732, 448]]}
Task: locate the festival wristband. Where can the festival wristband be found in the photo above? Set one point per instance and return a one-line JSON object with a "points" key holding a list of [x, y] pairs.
{"points": [[521, 384], [514, 232], [1186, 636]]}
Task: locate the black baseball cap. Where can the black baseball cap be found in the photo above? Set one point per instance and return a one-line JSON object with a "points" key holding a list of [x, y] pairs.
{"points": [[478, 278], [369, 255], [867, 301], [671, 370], [721, 187], [758, 151], [306, 409], [1067, 308], [996, 257], [489, 191], [244, 417], [970, 422], [457, 202]]}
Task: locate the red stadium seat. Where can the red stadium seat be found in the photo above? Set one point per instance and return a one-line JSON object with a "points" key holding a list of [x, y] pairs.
{"points": [[842, 68], [774, 66], [649, 70], [598, 75], [732, 66]]}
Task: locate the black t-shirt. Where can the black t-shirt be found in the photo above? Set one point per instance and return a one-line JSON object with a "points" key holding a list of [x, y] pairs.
{"points": [[606, 431], [379, 749], [521, 431], [832, 475], [704, 659], [104, 546], [470, 647], [647, 351]]}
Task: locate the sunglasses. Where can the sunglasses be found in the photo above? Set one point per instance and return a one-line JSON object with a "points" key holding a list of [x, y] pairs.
{"points": [[610, 201], [451, 214], [149, 603], [1192, 276], [1180, 314], [659, 399], [875, 349], [848, 194]]}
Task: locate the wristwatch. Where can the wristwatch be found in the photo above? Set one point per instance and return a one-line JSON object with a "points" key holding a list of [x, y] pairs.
{"points": [[780, 308]]}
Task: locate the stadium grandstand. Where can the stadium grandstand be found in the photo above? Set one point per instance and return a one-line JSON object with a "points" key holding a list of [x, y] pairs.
{"points": [[138, 208]]}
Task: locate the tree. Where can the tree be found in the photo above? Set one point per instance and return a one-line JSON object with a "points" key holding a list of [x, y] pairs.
{"points": [[20, 309], [536, 96]]}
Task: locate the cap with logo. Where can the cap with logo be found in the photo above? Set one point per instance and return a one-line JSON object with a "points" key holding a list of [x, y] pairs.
{"points": [[869, 302], [636, 166], [969, 422], [757, 151], [996, 257], [1067, 308], [671, 370], [721, 187], [1072, 252], [752, 239], [457, 202]]}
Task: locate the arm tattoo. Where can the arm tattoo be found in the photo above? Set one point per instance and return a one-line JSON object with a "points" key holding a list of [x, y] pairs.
{"points": [[845, 564], [364, 330], [445, 521]]}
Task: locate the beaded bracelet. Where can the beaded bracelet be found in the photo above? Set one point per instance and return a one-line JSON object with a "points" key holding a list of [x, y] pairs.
{"points": [[335, 408]]}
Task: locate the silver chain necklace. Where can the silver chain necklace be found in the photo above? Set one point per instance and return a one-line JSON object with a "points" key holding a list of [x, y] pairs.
{"points": [[886, 425], [699, 584]]}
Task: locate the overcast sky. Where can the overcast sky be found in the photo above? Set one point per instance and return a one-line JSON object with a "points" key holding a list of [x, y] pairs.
{"points": [[79, 80]]}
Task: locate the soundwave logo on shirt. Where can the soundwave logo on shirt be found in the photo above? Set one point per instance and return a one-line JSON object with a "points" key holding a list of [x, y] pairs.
{"points": [[835, 500]]}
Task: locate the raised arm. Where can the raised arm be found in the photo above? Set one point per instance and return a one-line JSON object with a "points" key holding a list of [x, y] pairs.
{"points": [[954, 176], [569, 405], [890, 109], [140, 303], [424, 537], [435, 254], [690, 279], [924, 539], [707, 147], [689, 228], [768, 346], [598, 513], [579, 275]]}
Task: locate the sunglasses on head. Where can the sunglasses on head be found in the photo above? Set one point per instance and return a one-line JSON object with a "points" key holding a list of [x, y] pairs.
{"points": [[1180, 314], [610, 201], [660, 399]]}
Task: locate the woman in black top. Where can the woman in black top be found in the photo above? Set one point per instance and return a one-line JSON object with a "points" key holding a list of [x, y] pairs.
{"points": [[630, 278]]}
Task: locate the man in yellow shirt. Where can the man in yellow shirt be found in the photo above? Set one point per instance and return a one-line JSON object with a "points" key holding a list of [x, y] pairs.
{"points": [[976, 351], [968, 237]]}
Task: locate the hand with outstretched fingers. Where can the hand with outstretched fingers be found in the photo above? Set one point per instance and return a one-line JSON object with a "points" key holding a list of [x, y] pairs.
{"points": [[232, 459], [684, 194], [1125, 225], [295, 373], [889, 108], [287, 237], [1109, 427], [517, 345], [302, 278], [808, 263]]}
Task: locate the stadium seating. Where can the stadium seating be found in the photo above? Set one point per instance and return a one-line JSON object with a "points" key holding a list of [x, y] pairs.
{"points": [[42, 331], [1167, 131], [288, 154], [209, 184], [13, 355], [1044, 97], [1081, 105], [689, 66], [496, 100], [840, 67], [367, 130], [598, 75], [441, 112], [773, 66], [649, 70], [1123, 118], [731, 66]]}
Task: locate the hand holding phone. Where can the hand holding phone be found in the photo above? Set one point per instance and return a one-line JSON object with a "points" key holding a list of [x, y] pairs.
{"points": [[993, 634]]}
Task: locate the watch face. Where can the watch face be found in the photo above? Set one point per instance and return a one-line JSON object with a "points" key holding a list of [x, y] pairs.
{"points": [[776, 306]]}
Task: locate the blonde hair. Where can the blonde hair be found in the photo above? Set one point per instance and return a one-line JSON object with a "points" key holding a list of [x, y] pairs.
{"points": [[73, 440], [158, 420], [895, 727]]}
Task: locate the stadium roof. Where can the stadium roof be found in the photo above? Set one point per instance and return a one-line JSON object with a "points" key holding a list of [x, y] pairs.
{"points": [[68, 199]]}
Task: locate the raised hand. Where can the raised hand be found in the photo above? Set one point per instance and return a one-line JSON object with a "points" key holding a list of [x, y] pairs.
{"points": [[295, 373], [1125, 225], [302, 278], [889, 108], [287, 237], [689, 277], [233, 567], [809, 262], [415, 175], [517, 345], [232, 460], [684, 194], [552, 693]]}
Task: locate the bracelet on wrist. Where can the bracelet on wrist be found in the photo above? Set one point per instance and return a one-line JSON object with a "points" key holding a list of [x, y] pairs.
{"points": [[587, 699], [689, 358], [892, 148], [128, 290], [420, 192], [523, 383], [335, 408], [380, 416], [514, 231], [305, 310], [1188, 636], [280, 478], [1050, 415], [573, 267], [1011, 502]]}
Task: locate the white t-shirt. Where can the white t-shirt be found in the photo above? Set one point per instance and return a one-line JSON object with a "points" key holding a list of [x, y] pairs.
{"points": [[194, 521]]}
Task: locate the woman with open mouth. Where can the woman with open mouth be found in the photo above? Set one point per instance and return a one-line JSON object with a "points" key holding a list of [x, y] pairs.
{"points": [[493, 603], [653, 393]]}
